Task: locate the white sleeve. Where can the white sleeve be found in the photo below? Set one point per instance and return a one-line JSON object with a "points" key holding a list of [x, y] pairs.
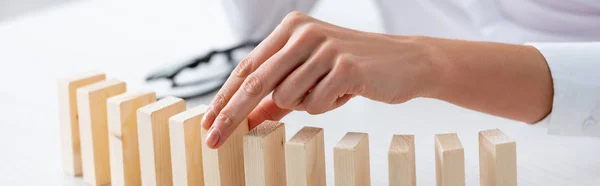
{"points": [[255, 19], [575, 69]]}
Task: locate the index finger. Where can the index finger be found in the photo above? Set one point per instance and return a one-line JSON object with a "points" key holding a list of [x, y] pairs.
{"points": [[254, 88], [249, 64], [230, 119], [261, 82]]}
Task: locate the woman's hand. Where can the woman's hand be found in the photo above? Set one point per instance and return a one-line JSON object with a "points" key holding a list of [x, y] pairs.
{"points": [[313, 66]]}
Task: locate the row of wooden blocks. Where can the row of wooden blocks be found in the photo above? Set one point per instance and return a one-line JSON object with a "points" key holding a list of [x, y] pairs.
{"points": [[115, 137]]}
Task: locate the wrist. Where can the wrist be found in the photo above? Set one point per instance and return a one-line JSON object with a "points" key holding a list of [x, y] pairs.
{"points": [[437, 68], [511, 81]]}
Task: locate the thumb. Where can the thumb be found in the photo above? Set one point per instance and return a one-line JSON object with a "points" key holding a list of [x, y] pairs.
{"points": [[266, 110]]}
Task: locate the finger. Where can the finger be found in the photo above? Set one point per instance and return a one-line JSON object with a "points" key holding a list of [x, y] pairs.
{"points": [[266, 110], [259, 84], [302, 105], [341, 101], [333, 90], [290, 93], [268, 47]]}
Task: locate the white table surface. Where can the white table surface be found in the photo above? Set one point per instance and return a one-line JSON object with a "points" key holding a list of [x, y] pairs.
{"points": [[128, 38]]}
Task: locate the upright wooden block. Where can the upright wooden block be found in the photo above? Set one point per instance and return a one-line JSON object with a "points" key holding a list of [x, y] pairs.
{"points": [[69, 119], [497, 159], [91, 104], [401, 161], [225, 166], [264, 155], [123, 136], [186, 147], [305, 158], [351, 160], [154, 140], [449, 160]]}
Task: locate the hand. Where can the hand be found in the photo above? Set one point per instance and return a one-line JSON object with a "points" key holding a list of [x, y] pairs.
{"points": [[313, 66]]}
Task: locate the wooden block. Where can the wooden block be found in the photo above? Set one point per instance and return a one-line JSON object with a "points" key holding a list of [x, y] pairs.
{"points": [[351, 160], [497, 159], [401, 161], [123, 136], [154, 140], [225, 166], [264, 155], [449, 160], [69, 120], [305, 158], [186, 147], [93, 127]]}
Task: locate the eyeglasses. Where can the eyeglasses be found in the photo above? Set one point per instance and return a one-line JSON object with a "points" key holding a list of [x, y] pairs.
{"points": [[209, 84]]}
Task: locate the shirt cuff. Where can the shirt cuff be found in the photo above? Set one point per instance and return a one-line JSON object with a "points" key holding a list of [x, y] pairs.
{"points": [[575, 69]]}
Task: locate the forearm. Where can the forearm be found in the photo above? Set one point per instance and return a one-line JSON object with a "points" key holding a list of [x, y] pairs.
{"points": [[511, 81]]}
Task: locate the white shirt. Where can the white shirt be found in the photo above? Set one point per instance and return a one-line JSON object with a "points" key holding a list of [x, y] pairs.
{"points": [[567, 33]]}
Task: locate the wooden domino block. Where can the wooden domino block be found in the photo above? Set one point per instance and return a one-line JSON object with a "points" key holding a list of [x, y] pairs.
{"points": [[497, 159], [123, 136], [351, 160], [264, 155], [226, 164], [69, 120], [305, 158], [449, 160], [154, 140], [93, 128], [186, 147], [401, 161]]}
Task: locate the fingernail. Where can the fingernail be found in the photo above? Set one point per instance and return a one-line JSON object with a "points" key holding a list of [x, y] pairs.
{"points": [[203, 121], [213, 136]]}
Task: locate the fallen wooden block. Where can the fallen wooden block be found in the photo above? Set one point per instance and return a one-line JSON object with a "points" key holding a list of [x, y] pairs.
{"points": [[186, 147], [69, 120], [93, 128], [225, 166], [305, 158], [154, 140], [497, 159], [264, 155], [123, 136], [401, 161], [351, 160], [449, 160]]}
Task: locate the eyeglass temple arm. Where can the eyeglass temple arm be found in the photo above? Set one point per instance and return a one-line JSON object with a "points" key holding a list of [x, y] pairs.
{"points": [[169, 73]]}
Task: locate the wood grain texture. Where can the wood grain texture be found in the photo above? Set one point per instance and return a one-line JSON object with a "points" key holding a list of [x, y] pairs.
{"points": [[264, 155], [225, 166], [305, 158], [186, 147], [69, 119], [497, 159], [93, 128], [154, 140], [123, 136], [401, 161], [351, 160], [449, 160]]}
